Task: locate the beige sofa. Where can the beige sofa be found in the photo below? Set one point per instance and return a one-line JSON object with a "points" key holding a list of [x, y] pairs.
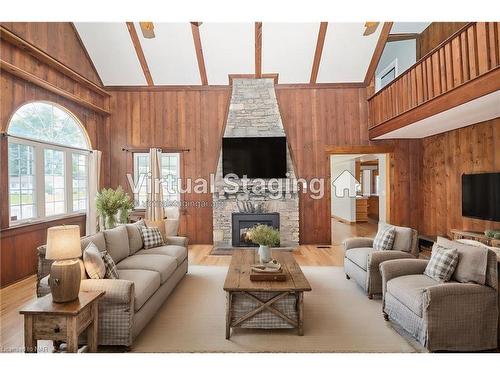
{"points": [[361, 261], [146, 279]]}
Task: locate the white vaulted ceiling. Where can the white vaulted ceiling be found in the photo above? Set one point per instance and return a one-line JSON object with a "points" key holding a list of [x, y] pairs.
{"points": [[288, 49], [229, 48], [112, 52], [171, 56], [346, 53]]}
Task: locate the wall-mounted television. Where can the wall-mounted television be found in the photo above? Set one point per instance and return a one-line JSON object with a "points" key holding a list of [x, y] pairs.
{"points": [[255, 157], [481, 196]]}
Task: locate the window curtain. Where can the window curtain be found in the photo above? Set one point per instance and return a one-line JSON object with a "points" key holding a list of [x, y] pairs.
{"points": [[154, 207], [94, 176]]}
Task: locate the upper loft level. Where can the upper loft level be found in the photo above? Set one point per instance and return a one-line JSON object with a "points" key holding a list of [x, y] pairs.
{"points": [[455, 84]]}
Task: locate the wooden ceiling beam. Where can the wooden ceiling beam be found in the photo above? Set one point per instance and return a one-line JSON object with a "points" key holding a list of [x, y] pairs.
{"points": [[195, 28], [382, 40], [402, 36], [140, 53], [258, 49], [319, 51]]}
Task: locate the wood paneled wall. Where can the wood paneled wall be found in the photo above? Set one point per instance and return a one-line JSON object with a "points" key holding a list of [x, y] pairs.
{"points": [[175, 119], [316, 118], [435, 33], [18, 245], [19, 258], [445, 157], [60, 41], [313, 119]]}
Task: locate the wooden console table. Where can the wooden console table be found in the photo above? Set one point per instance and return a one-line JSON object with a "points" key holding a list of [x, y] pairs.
{"points": [[477, 236], [46, 320]]}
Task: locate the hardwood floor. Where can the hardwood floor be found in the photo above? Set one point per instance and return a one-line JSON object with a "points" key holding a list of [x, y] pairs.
{"points": [[11, 322], [341, 231], [13, 297]]}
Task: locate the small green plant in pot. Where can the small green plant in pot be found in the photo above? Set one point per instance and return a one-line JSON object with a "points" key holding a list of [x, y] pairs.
{"points": [[110, 202], [264, 236], [489, 233]]}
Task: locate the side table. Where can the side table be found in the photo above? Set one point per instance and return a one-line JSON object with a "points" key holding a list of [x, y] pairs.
{"points": [[47, 320]]}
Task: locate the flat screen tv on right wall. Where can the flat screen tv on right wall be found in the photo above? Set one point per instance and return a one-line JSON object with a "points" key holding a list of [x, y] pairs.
{"points": [[481, 196]]}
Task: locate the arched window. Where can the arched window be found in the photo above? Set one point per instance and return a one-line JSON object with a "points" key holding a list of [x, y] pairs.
{"points": [[48, 162]]}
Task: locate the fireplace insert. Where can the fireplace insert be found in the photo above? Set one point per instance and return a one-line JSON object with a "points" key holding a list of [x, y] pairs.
{"points": [[242, 222]]}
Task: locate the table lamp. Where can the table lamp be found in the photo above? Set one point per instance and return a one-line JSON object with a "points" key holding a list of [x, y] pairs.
{"points": [[63, 246]]}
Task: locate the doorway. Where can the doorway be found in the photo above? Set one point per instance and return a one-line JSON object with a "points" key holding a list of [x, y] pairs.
{"points": [[360, 193]]}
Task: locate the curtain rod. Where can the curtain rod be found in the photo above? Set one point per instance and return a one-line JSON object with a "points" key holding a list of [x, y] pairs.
{"points": [[163, 149], [4, 134]]}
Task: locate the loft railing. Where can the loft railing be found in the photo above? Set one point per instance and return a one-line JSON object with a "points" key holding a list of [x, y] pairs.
{"points": [[470, 53]]}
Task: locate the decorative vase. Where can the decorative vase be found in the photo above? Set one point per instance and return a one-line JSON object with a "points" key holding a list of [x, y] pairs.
{"points": [[264, 254], [124, 216], [110, 222]]}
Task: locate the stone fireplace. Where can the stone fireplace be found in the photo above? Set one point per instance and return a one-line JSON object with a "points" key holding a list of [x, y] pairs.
{"points": [[254, 112]]}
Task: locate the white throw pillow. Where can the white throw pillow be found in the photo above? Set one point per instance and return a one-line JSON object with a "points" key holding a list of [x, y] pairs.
{"points": [[171, 227], [92, 260], [472, 261]]}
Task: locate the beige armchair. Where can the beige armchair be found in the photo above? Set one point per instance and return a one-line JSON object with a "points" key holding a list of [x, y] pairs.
{"points": [[361, 261], [441, 316]]}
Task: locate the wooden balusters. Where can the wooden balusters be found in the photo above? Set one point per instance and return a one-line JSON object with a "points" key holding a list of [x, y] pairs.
{"points": [[471, 52]]}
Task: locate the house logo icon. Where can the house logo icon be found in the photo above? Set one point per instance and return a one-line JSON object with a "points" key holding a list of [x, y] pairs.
{"points": [[345, 185]]}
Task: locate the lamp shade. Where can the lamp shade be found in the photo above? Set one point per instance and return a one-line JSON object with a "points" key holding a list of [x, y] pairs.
{"points": [[63, 242]]}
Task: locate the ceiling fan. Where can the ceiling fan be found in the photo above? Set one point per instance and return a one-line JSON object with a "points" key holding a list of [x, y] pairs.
{"points": [[370, 28], [148, 29]]}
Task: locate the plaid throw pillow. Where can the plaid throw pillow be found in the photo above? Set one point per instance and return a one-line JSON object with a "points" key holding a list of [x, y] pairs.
{"points": [[111, 270], [384, 238], [151, 237], [442, 263], [140, 223]]}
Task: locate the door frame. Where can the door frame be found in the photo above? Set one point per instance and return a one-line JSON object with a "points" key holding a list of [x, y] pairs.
{"points": [[387, 149]]}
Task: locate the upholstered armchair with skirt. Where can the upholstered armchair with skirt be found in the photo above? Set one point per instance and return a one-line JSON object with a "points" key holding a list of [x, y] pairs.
{"points": [[452, 316], [361, 260]]}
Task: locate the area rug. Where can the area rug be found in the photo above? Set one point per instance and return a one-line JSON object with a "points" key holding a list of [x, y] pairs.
{"points": [[338, 317]]}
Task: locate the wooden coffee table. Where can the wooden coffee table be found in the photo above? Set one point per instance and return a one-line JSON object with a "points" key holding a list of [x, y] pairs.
{"points": [[264, 304]]}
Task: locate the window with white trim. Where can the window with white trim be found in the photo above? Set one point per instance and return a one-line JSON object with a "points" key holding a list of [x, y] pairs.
{"points": [[55, 200], [22, 181], [170, 174], [387, 75], [48, 163], [80, 172]]}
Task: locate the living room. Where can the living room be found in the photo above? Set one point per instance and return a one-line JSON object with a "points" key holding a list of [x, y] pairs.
{"points": [[249, 186]]}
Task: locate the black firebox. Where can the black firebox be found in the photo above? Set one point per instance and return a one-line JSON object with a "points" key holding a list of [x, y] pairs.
{"points": [[242, 222]]}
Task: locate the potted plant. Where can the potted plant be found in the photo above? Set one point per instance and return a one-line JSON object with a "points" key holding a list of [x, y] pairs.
{"points": [[126, 205], [492, 233], [264, 236], [110, 202]]}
